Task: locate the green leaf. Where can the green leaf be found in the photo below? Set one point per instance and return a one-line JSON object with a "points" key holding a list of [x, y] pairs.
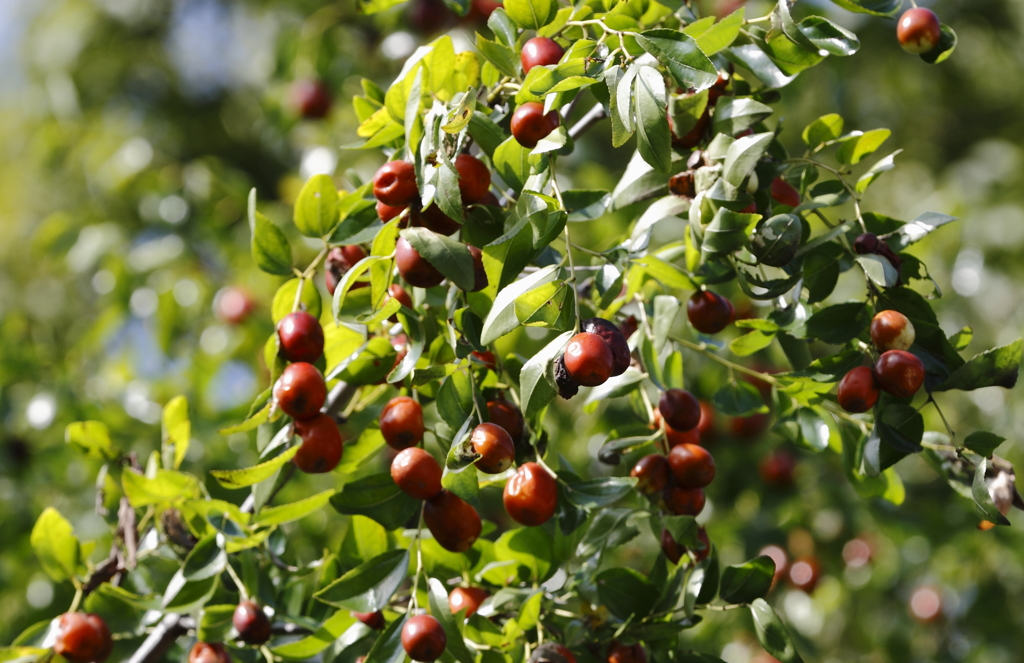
{"points": [[455, 399], [873, 7], [537, 379], [916, 230], [370, 586], [177, 430], [680, 53], [512, 161], [901, 427], [826, 128], [879, 270], [54, 543], [270, 248], [997, 367], [252, 475], [742, 583], [757, 61], [167, 487], [736, 114], [316, 209], [597, 493], [626, 593], [945, 47], [666, 273], [321, 639], [376, 497], [502, 317], [91, 438], [983, 443], [388, 646], [487, 134], [531, 14], [743, 155], [772, 633], [882, 165], [814, 432], [739, 399], [827, 36], [287, 513], [501, 56], [860, 145], [713, 38], [654, 140], [439, 608], [775, 240], [727, 232], [284, 299], [748, 344], [839, 323], [206, 560], [983, 502], [450, 257], [531, 547]]}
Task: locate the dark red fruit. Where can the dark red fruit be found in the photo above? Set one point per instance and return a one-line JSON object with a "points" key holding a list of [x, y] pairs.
{"points": [[311, 99], [891, 330], [387, 212], [486, 358], [692, 466], [683, 501], [252, 623], [301, 337], [395, 183], [401, 423], [615, 340], [918, 30], [675, 550], [432, 218], [209, 652], [495, 447], [479, 274], [417, 473], [694, 136], [620, 653], [858, 390], [867, 243], [530, 124], [507, 415], [423, 638], [300, 392], [629, 326], [680, 409], [339, 261], [321, 444], [489, 199], [414, 268], [540, 52], [454, 523], [785, 193], [567, 387], [374, 620], [709, 313], [531, 495], [777, 468], [551, 652], [899, 373], [83, 638], [474, 178], [706, 427], [232, 305], [588, 359], [468, 599], [652, 474], [804, 573], [399, 293]]}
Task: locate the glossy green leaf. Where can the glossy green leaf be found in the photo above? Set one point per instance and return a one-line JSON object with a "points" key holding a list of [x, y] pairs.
{"points": [[679, 52], [742, 583], [91, 438], [248, 476], [772, 633], [450, 257], [54, 543], [370, 586], [316, 209], [270, 248], [998, 367]]}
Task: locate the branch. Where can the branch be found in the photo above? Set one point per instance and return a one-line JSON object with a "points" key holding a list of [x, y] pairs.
{"points": [[160, 640], [593, 116]]}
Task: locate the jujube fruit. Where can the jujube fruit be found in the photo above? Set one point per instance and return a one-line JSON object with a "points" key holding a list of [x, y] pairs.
{"points": [[784, 193], [495, 447], [83, 638], [339, 261], [486, 358], [468, 599], [300, 392], [252, 623], [777, 468], [394, 183], [858, 390], [311, 99], [680, 409], [918, 30], [434, 219], [692, 465], [454, 523], [552, 652], [891, 330], [567, 387], [708, 312], [540, 51], [423, 638], [530, 124], [899, 373], [416, 473], [400, 293], [616, 341], [675, 550], [588, 359], [683, 501], [321, 447], [620, 653], [866, 243], [300, 336], [652, 474], [387, 212], [414, 268], [401, 423], [675, 437], [374, 620], [531, 495], [474, 178], [208, 652], [507, 415]]}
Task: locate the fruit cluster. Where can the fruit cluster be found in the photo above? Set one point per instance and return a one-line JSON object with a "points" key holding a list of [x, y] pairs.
{"points": [[897, 372], [598, 352]]}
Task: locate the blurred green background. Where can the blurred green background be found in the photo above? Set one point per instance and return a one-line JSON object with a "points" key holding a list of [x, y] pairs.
{"points": [[132, 130]]}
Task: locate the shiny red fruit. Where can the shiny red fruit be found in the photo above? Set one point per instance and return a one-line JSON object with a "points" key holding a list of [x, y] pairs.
{"points": [[680, 409], [387, 212], [414, 268], [300, 392], [474, 178], [432, 218], [867, 243], [899, 373], [675, 550], [454, 523], [530, 124], [423, 638], [777, 468], [858, 390], [620, 653], [531, 495], [339, 260], [588, 359], [83, 638], [479, 273], [614, 338], [804, 573], [918, 30], [486, 358], [321, 448], [692, 466], [652, 474], [252, 623], [301, 337], [507, 415], [374, 620], [495, 446], [417, 473], [683, 501], [891, 330], [709, 313], [395, 183], [401, 423], [311, 99], [540, 52], [468, 599], [399, 293], [785, 193], [209, 652]]}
